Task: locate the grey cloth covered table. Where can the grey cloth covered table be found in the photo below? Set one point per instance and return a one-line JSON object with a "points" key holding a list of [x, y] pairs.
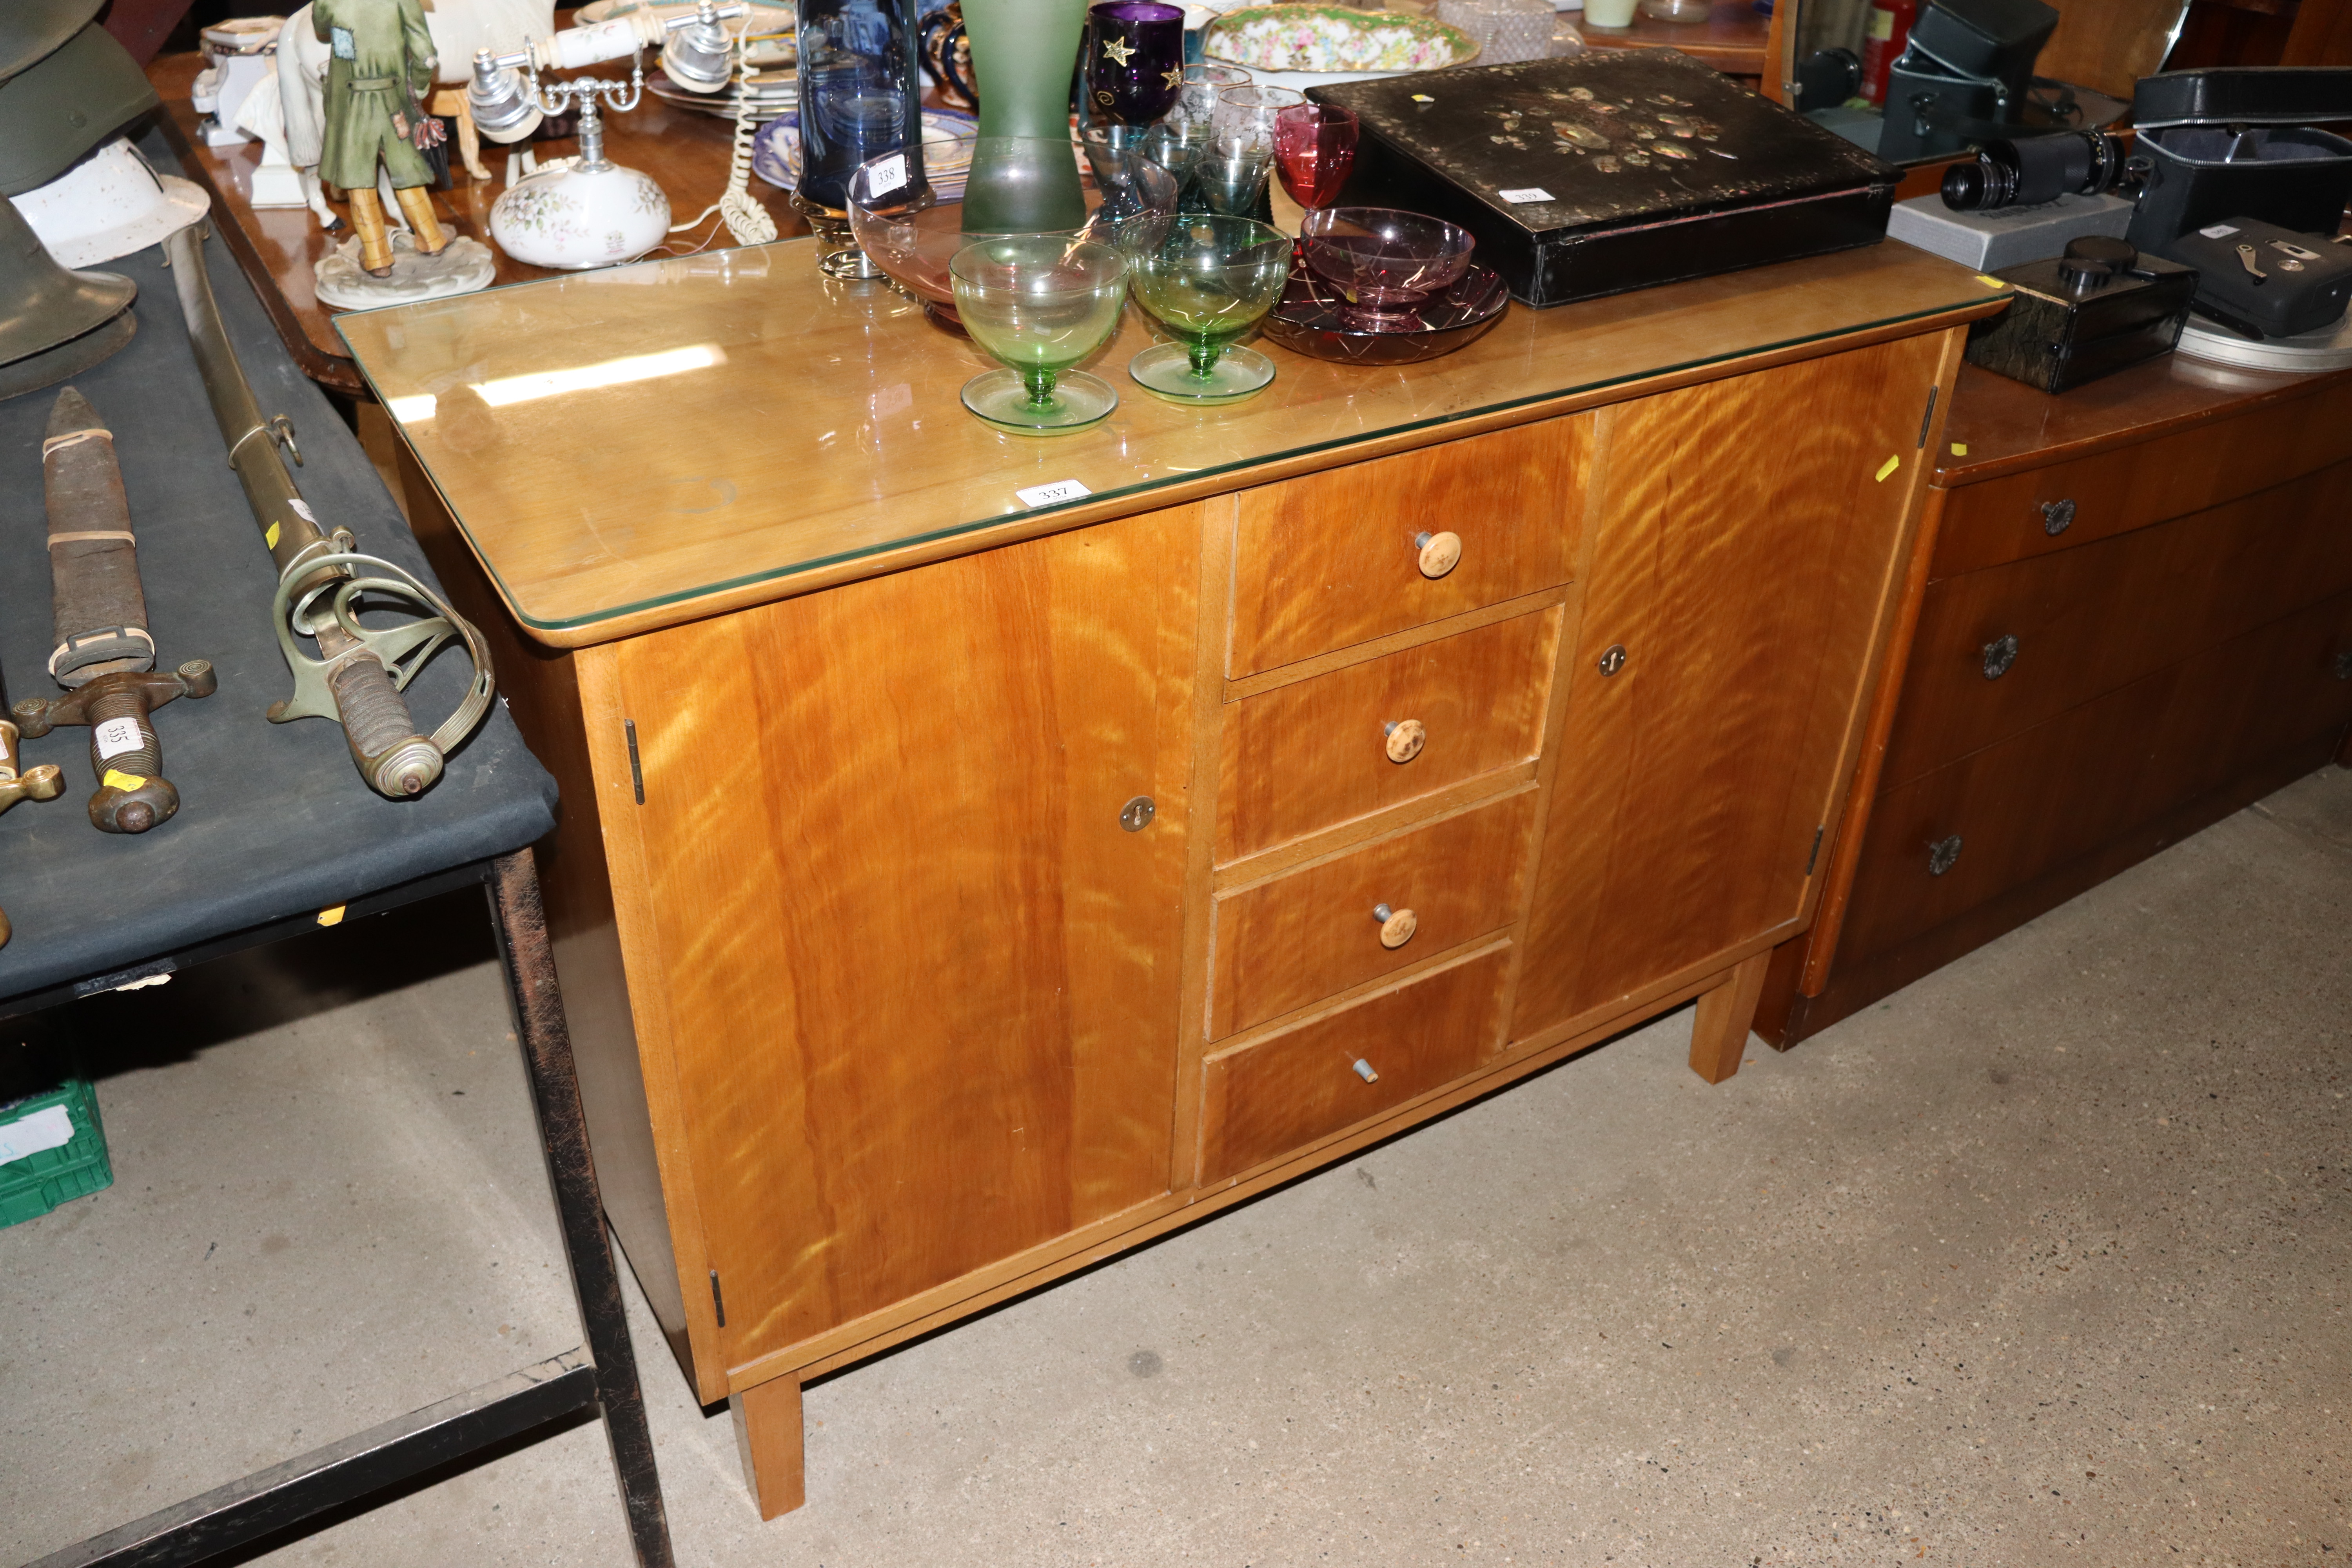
{"points": [[276, 825], [274, 819]]}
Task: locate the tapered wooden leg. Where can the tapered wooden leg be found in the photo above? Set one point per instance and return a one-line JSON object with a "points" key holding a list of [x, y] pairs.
{"points": [[367, 222], [1719, 1034], [768, 1437], [417, 202]]}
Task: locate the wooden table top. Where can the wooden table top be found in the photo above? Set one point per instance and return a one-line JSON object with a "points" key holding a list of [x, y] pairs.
{"points": [[686, 153], [644, 444], [1732, 39], [2008, 426]]}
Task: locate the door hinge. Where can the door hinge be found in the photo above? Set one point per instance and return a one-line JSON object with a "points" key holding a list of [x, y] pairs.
{"points": [[718, 1301], [1812, 859], [637, 779], [1929, 418]]}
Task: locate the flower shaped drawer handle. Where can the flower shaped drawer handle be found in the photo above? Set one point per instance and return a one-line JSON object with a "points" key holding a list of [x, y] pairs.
{"points": [[1397, 926], [1405, 738], [1439, 553]]}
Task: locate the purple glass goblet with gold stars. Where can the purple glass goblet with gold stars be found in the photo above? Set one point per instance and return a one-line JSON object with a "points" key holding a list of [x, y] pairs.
{"points": [[1135, 60]]}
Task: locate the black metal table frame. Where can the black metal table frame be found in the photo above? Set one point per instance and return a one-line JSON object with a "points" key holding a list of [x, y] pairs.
{"points": [[368, 1463]]}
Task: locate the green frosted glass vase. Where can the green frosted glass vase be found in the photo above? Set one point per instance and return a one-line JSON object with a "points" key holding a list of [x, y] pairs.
{"points": [[1024, 53]]}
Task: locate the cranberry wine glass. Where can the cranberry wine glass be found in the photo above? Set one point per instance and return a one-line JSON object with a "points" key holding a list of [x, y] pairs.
{"points": [[1314, 148], [1135, 60]]}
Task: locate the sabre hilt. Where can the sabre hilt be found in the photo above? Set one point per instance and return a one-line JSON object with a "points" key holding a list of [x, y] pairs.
{"points": [[132, 795], [43, 783], [393, 757], [360, 679]]}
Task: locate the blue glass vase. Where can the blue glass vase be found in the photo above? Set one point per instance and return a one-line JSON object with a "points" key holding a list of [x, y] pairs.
{"points": [[859, 91]]}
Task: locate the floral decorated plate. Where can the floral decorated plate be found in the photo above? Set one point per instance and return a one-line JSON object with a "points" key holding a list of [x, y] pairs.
{"points": [[1331, 39], [776, 150]]}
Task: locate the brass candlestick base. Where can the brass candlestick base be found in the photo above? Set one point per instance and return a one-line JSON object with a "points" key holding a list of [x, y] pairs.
{"points": [[841, 258]]}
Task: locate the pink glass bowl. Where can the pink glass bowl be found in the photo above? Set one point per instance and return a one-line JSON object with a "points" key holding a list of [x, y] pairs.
{"points": [[1382, 262], [913, 233]]}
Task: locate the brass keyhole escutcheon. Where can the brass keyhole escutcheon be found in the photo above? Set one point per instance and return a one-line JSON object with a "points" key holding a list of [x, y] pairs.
{"points": [[1405, 738], [1613, 659], [2057, 517], [1440, 552], [1137, 814], [1397, 926], [1943, 854], [1999, 655]]}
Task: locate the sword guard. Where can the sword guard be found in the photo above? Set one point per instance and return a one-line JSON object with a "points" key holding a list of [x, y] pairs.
{"points": [[133, 793], [394, 764]]}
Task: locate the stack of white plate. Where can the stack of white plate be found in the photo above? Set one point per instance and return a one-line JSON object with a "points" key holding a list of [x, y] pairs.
{"points": [[772, 92], [2330, 348]]}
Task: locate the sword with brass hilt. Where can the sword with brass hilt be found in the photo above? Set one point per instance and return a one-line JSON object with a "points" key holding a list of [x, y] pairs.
{"points": [[360, 671], [16, 783], [43, 783], [105, 656]]}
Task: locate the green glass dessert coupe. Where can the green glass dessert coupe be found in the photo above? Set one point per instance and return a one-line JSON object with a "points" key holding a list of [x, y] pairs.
{"points": [[1040, 303], [1207, 279]]}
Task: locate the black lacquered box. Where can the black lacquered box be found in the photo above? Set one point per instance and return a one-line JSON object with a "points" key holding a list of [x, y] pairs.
{"points": [[1610, 171], [2056, 335]]}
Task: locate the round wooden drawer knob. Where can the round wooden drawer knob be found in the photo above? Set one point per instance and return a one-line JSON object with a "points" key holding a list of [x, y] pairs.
{"points": [[1397, 926], [1406, 738], [1440, 552]]}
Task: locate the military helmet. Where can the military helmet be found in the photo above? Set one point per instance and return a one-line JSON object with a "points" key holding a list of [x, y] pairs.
{"points": [[53, 323], [60, 106]]}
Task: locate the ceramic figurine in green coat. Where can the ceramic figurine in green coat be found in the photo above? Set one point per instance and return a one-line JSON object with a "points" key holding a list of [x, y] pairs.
{"points": [[379, 68]]}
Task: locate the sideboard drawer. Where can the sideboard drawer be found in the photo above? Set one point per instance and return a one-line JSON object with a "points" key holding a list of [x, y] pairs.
{"points": [[1973, 829], [1315, 931], [1343, 744], [1340, 557], [1283, 1092], [2067, 504], [2002, 649]]}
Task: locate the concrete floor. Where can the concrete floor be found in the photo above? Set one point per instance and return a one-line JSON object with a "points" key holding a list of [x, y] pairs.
{"points": [[2044, 1261]]}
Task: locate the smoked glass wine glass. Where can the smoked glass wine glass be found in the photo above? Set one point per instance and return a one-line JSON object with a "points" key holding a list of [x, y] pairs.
{"points": [[1196, 100], [1040, 303], [1207, 279], [1135, 60]]}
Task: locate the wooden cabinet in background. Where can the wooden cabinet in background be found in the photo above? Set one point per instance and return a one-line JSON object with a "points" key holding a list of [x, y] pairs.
{"points": [[2137, 619], [987, 907]]}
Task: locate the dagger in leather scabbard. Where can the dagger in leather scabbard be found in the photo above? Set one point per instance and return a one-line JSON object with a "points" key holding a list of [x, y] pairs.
{"points": [[105, 655], [360, 672]]}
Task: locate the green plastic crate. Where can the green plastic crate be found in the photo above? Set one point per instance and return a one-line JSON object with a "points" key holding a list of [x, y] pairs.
{"points": [[34, 1184]]}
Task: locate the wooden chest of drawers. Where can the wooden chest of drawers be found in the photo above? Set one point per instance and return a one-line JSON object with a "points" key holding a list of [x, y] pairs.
{"points": [[2138, 619], [936, 925]]}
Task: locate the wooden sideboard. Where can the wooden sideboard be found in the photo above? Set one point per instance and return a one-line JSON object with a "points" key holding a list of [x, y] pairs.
{"points": [[2134, 617], [951, 893]]}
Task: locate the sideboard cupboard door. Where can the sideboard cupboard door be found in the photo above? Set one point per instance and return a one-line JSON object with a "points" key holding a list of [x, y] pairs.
{"points": [[921, 982], [1745, 537]]}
